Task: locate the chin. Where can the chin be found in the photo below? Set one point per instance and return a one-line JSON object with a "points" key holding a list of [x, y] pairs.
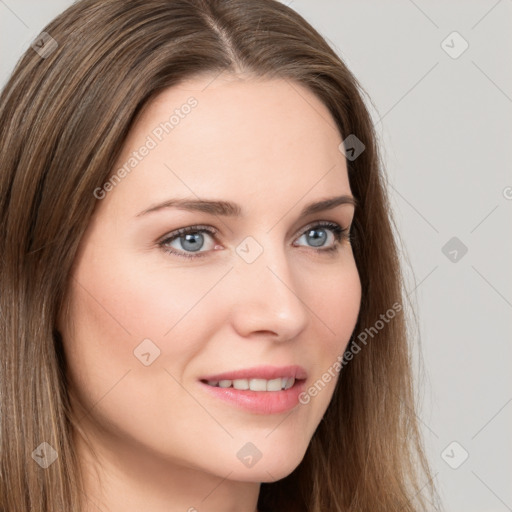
{"points": [[275, 467]]}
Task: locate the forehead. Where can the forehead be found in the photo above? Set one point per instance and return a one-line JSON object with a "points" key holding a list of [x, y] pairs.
{"points": [[232, 138]]}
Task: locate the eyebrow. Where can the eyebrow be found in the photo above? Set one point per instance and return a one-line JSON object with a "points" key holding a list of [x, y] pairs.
{"points": [[229, 209]]}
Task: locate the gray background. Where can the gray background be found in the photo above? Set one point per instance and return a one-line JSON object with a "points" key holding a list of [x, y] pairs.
{"points": [[445, 128]]}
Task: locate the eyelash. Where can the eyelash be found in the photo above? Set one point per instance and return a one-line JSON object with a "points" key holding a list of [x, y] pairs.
{"points": [[340, 234]]}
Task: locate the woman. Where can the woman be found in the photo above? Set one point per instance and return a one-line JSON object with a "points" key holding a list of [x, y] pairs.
{"points": [[201, 294]]}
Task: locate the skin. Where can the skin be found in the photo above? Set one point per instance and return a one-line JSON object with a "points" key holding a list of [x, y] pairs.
{"points": [[162, 443]]}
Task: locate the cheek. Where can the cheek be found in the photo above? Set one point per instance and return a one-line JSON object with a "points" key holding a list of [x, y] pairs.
{"points": [[113, 307], [335, 305], [135, 298], [334, 298]]}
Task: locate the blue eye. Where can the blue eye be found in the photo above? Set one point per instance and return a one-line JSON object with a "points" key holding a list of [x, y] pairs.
{"points": [[317, 240], [192, 239]]}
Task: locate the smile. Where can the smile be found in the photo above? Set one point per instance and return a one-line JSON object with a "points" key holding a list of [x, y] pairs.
{"points": [[255, 384], [259, 390]]}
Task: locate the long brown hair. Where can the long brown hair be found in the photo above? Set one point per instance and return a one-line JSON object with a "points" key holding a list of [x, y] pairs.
{"points": [[64, 116]]}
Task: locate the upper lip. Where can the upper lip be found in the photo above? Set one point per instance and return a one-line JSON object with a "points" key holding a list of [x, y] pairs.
{"points": [[261, 372]]}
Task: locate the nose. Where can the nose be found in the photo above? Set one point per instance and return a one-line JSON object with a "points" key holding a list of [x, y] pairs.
{"points": [[268, 299]]}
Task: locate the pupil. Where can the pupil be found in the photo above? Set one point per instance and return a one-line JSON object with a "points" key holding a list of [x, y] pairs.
{"points": [[317, 241], [195, 240]]}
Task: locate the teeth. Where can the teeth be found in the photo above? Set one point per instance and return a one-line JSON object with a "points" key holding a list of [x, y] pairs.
{"points": [[258, 385], [289, 384], [241, 384], [255, 384], [274, 384]]}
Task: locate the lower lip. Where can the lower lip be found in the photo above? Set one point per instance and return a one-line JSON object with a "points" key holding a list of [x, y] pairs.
{"points": [[260, 402]]}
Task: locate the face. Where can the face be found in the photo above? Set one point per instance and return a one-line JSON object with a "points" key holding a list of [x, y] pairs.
{"points": [[255, 287]]}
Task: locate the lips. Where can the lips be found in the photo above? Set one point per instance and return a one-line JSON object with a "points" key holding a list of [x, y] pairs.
{"points": [[259, 390]]}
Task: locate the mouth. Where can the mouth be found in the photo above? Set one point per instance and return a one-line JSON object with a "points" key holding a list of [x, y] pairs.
{"points": [[258, 378], [261, 390]]}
